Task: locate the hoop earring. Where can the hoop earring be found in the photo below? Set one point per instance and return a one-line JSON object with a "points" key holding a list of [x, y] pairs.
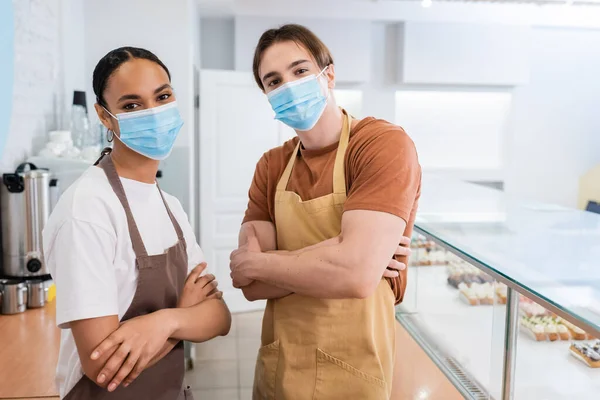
{"points": [[110, 136]]}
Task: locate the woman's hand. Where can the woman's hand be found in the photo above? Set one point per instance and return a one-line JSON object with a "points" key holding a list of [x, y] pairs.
{"points": [[394, 267], [137, 342], [199, 288]]}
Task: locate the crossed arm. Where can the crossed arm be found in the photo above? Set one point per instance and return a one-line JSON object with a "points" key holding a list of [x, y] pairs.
{"points": [[348, 266], [113, 353]]}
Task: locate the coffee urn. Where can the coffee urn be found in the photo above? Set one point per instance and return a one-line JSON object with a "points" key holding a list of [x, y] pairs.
{"points": [[24, 210]]}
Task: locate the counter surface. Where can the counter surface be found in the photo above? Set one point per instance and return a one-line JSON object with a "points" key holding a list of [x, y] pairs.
{"points": [[29, 344]]}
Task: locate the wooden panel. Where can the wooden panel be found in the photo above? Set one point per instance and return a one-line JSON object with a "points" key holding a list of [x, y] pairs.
{"points": [[29, 344]]}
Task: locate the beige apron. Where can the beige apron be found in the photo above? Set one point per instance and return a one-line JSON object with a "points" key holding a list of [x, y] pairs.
{"points": [[316, 348], [159, 285]]}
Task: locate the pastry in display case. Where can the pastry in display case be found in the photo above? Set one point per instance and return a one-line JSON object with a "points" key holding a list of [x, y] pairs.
{"points": [[589, 353], [427, 253], [546, 328], [475, 287], [540, 324], [513, 311], [477, 293], [465, 273]]}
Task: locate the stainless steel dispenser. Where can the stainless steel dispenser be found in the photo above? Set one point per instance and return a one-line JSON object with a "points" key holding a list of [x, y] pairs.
{"points": [[24, 210]]}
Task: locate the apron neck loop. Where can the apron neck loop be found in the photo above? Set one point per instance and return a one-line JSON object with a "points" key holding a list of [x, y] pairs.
{"points": [[339, 175], [176, 225], [108, 166], [104, 152]]}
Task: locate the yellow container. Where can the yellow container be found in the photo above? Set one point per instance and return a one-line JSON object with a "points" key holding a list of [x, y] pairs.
{"points": [[51, 292]]}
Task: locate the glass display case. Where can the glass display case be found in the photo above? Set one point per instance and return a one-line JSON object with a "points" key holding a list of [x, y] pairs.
{"points": [[504, 296]]}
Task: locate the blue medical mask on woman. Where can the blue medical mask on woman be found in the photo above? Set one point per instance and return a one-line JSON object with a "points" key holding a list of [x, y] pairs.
{"points": [[151, 132], [299, 104]]}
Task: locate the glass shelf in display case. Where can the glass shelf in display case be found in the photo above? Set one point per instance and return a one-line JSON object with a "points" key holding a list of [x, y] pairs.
{"points": [[502, 275]]}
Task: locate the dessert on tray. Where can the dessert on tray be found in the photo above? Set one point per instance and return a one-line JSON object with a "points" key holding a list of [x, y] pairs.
{"points": [[427, 252], [531, 309], [534, 329], [501, 292], [550, 328], [588, 353], [464, 273], [476, 293], [576, 332]]}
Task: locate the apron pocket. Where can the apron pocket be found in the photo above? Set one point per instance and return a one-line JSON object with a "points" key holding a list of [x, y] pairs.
{"points": [[339, 380], [265, 373]]}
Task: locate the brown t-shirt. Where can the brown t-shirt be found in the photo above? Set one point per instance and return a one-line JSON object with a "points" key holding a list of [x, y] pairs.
{"points": [[382, 174]]}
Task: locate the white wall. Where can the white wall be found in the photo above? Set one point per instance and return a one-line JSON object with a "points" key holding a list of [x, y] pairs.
{"points": [[394, 10], [552, 133], [37, 81], [218, 43], [72, 60], [166, 29], [556, 119], [343, 38]]}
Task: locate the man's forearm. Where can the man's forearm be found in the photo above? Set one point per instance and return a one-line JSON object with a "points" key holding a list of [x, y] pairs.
{"points": [[352, 268], [199, 323], [323, 271], [258, 290]]}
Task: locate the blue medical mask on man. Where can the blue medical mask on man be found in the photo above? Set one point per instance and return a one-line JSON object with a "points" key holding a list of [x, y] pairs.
{"points": [[151, 132], [299, 104]]}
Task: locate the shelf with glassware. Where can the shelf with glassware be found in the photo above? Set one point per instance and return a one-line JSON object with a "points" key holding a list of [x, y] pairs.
{"points": [[490, 251]]}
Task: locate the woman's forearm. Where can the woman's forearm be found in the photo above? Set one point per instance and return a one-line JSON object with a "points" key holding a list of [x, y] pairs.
{"points": [[166, 349], [201, 322]]}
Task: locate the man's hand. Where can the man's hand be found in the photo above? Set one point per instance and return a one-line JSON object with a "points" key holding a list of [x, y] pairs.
{"points": [[137, 342], [199, 288], [394, 267], [241, 258]]}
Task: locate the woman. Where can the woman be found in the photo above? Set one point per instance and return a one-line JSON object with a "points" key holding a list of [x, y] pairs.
{"points": [[119, 250], [334, 202]]}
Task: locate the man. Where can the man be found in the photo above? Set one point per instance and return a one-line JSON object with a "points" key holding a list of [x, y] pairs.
{"points": [[315, 247]]}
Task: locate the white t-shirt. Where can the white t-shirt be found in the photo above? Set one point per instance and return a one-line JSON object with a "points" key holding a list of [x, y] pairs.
{"points": [[90, 256]]}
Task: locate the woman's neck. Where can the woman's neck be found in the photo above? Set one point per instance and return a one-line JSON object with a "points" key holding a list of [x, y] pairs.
{"points": [[326, 132], [131, 165]]}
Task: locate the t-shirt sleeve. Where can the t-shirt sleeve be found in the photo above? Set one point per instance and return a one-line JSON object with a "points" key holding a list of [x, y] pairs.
{"points": [[386, 175], [258, 204], [80, 259]]}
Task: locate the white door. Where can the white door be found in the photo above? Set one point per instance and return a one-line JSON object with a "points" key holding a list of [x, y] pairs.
{"points": [[236, 128]]}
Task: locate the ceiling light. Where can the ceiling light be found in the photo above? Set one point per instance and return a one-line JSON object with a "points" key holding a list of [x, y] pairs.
{"points": [[426, 3]]}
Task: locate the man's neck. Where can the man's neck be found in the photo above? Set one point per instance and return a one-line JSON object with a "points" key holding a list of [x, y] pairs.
{"points": [[326, 132], [131, 165]]}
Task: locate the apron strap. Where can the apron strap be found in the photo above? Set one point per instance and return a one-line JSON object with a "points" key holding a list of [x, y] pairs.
{"points": [[285, 178], [339, 174], [108, 166], [171, 216]]}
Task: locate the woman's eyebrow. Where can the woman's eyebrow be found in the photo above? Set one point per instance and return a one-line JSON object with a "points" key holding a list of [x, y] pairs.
{"points": [[138, 97], [163, 87], [128, 97]]}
